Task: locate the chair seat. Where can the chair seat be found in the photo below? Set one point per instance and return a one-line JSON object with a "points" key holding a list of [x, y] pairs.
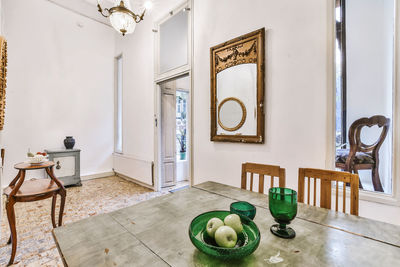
{"points": [[360, 158], [34, 187]]}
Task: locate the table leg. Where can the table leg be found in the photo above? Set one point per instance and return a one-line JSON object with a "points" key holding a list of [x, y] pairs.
{"points": [[13, 182], [11, 221], [61, 191], [53, 210], [63, 195]]}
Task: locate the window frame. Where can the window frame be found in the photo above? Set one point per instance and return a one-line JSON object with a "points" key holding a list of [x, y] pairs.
{"points": [[392, 199], [340, 38], [118, 93]]}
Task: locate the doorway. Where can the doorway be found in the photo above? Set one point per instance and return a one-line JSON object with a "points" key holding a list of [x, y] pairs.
{"points": [[174, 129]]}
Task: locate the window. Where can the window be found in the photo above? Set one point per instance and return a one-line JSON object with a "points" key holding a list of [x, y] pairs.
{"points": [[364, 59], [174, 42], [118, 105], [340, 47]]}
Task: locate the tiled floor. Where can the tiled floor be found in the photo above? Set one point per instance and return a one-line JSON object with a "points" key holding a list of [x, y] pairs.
{"points": [[36, 246]]}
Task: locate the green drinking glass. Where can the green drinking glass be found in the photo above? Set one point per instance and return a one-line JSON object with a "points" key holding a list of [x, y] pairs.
{"points": [[243, 208], [283, 207]]}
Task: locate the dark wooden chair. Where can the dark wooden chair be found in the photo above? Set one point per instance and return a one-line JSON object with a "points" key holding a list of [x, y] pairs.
{"points": [[361, 156], [262, 170], [326, 177]]}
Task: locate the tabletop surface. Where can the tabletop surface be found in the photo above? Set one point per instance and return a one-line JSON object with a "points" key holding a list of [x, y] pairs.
{"points": [[155, 233], [28, 166]]}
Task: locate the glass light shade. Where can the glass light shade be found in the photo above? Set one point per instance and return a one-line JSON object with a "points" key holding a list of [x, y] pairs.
{"points": [[122, 22]]}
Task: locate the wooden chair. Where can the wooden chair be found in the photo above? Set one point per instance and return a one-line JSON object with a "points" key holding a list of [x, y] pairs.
{"points": [[326, 178], [262, 170], [361, 156]]}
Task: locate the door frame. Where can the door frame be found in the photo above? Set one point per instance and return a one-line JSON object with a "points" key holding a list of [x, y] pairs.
{"points": [[172, 74], [158, 132]]}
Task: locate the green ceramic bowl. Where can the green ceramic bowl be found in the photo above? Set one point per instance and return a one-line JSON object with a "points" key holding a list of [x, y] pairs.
{"points": [[247, 243], [243, 208]]}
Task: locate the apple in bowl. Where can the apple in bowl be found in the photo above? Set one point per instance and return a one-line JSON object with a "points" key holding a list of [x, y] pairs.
{"points": [[246, 243], [226, 237]]}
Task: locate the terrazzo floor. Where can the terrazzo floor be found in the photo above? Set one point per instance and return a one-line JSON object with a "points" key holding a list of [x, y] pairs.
{"points": [[36, 246]]}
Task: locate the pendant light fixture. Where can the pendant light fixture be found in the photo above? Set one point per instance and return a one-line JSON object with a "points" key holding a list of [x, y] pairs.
{"points": [[122, 18]]}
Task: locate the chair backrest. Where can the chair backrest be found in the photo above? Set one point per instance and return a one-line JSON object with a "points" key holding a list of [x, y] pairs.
{"points": [[356, 145], [326, 177], [262, 170]]}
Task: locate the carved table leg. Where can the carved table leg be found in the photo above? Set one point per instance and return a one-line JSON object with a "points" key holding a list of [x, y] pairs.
{"points": [[63, 195], [61, 191], [53, 210], [11, 221]]}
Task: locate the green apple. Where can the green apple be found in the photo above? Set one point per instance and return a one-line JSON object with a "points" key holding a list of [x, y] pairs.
{"points": [[212, 226], [226, 237], [233, 220]]}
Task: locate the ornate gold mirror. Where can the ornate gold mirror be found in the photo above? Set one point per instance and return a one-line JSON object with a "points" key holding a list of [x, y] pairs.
{"points": [[3, 81], [237, 89]]}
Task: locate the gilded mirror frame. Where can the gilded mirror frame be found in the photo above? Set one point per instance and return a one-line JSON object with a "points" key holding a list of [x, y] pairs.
{"points": [[3, 79], [248, 48]]}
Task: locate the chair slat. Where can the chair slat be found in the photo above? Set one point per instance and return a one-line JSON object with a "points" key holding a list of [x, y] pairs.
{"points": [[251, 182], [337, 196], [344, 197], [315, 190], [272, 181], [261, 184], [308, 191]]}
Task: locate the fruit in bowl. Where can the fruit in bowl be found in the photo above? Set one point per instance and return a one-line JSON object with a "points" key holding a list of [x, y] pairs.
{"points": [[212, 225], [37, 159], [225, 233], [246, 243], [233, 220], [226, 237]]}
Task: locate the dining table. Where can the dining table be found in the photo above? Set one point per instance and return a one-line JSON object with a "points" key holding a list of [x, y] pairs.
{"points": [[155, 233]]}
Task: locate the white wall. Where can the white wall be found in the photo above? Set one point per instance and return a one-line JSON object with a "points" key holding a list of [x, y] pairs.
{"points": [[60, 80], [138, 102], [369, 33], [296, 81]]}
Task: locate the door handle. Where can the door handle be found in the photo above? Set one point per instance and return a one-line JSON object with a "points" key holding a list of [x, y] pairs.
{"points": [[58, 166]]}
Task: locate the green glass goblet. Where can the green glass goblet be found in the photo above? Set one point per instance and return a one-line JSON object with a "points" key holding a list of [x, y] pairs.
{"points": [[283, 207]]}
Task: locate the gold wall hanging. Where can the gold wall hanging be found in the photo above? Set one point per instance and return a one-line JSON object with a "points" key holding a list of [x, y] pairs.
{"points": [[3, 79], [237, 74]]}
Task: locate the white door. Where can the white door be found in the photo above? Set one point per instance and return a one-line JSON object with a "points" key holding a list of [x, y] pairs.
{"points": [[168, 132]]}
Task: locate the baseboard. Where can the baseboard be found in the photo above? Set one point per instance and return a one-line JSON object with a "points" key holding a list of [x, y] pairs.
{"points": [[97, 175], [130, 179]]}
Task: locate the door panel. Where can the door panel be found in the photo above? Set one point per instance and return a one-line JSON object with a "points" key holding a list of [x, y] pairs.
{"points": [[168, 125]]}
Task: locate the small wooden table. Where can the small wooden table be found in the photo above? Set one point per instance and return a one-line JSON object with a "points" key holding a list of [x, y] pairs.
{"points": [[32, 190], [155, 233]]}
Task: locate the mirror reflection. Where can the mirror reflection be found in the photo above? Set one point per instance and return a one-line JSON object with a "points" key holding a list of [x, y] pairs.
{"points": [[231, 114], [239, 82]]}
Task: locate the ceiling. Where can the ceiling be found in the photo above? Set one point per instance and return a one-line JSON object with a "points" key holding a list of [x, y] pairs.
{"points": [[160, 7]]}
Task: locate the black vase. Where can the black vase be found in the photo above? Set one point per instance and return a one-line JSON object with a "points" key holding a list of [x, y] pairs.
{"points": [[69, 142]]}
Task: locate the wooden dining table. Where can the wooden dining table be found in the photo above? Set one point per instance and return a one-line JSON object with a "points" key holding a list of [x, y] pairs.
{"points": [[155, 233]]}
